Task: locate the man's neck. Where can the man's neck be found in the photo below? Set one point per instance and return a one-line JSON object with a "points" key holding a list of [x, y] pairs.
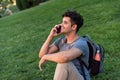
{"points": [[71, 37]]}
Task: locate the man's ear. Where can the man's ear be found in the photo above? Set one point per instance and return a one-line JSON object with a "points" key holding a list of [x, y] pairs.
{"points": [[74, 27]]}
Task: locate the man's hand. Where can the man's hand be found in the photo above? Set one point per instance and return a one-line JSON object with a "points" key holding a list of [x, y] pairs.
{"points": [[41, 62], [53, 32]]}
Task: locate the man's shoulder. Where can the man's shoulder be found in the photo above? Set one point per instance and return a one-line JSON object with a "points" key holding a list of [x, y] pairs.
{"points": [[61, 38], [80, 41]]}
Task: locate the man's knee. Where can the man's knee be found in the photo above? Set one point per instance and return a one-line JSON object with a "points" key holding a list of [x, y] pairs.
{"points": [[64, 65]]}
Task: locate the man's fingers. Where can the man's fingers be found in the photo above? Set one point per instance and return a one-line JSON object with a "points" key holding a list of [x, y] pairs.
{"points": [[40, 68]]}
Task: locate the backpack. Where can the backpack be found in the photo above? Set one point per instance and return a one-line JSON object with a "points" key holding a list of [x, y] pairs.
{"points": [[96, 57]]}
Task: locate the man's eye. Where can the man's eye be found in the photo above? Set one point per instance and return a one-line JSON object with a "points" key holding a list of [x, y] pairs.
{"points": [[65, 22]]}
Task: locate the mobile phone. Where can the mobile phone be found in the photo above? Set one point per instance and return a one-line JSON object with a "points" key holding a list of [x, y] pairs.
{"points": [[58, 29]]}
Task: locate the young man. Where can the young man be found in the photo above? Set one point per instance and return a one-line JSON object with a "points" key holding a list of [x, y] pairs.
{"points": [[66, 50]]}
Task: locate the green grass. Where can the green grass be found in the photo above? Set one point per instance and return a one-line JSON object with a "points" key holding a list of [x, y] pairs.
{"points": [[23, 33]]}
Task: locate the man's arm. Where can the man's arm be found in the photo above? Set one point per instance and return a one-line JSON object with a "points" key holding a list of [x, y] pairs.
{"points": [[62, 57], [46, 48]]}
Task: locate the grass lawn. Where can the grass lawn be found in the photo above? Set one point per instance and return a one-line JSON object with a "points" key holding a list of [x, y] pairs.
{"points": [[23, 33]]}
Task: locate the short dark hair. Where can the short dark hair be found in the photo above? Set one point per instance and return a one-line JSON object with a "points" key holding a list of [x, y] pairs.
{"points": [[75, 17]]}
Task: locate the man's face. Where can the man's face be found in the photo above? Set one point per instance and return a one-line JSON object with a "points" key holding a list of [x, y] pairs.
{"points": [[66, 25]]}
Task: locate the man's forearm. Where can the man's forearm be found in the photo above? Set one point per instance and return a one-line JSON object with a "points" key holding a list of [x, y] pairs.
{"points": [[63, 56], [45, 47], [56, 57]]}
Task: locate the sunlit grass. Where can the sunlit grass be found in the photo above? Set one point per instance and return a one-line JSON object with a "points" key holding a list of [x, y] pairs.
{"points": [[23, 33]]}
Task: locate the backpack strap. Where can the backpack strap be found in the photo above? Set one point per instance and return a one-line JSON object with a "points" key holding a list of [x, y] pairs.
{"points": [[82, 67]]}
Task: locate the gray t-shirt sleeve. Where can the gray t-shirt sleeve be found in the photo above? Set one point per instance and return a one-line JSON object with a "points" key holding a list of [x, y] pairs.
{"points": [[56, 42], [82, 46]]}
